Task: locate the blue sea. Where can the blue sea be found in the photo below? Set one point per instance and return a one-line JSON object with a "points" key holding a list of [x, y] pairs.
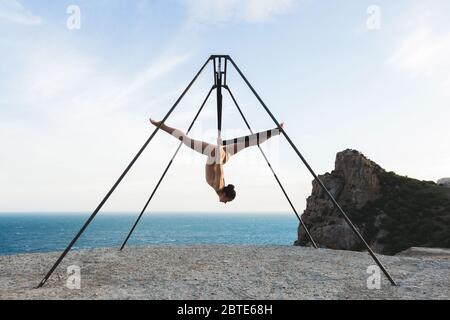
{"points": [[27, 233]]}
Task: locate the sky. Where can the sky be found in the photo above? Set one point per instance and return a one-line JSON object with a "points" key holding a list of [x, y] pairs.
{"points": [[80, 79]]}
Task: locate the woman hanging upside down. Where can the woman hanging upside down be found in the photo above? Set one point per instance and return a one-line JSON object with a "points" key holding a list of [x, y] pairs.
{"points": [[219, 155]]}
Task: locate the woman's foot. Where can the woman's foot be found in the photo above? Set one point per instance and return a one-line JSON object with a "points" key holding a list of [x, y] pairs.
{"points": [[281, 127], [154, 122]]}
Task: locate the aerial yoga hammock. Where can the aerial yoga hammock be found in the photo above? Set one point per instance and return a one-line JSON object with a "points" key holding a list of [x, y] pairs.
{"points": [[219, 155]]}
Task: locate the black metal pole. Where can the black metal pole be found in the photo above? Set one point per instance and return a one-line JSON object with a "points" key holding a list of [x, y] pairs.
{"points": [[124, 173], [218, 74], [324, 188], [271, 168], [165, 171]]}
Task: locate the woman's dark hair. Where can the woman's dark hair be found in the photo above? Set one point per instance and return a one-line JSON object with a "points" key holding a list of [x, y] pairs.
{"points": [[229, 192]]}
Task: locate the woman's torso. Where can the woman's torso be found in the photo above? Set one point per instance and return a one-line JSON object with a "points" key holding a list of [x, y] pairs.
{"points": [[214, 171]]}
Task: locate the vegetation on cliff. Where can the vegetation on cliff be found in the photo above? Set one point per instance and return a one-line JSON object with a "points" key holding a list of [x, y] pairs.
{"points": [[412, 213]]}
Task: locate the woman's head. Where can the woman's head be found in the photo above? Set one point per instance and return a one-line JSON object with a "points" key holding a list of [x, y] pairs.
{"points": [[227, 194]]}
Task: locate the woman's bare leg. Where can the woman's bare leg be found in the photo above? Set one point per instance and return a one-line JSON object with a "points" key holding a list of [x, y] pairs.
{"points": [[202, 147], [242, 143]]}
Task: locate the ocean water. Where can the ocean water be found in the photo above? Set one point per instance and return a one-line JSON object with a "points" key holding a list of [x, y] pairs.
{"points": [[27, 233]]}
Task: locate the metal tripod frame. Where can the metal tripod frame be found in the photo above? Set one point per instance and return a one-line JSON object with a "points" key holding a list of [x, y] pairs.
{"points": [[220, 64]]}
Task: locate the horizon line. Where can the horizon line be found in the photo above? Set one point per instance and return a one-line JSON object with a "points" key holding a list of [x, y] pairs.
{"points": [[152, 213]]}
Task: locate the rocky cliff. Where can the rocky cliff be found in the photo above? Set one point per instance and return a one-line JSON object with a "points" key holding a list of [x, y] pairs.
{"points": [[444, 182], [392, 212]]}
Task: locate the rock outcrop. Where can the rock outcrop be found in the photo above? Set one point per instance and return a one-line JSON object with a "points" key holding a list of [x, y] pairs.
{"points": [[426, 253], [444, 182], [392, 212]]}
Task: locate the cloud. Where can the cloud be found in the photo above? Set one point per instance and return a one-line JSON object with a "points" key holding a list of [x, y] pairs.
{"points": [[422, 52], [53, 77], [152, 73], [250, 11], [76, 118], [15, 12]]}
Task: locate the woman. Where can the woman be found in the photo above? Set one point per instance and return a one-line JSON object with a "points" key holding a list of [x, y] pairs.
{"points": [[219, 155]]}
